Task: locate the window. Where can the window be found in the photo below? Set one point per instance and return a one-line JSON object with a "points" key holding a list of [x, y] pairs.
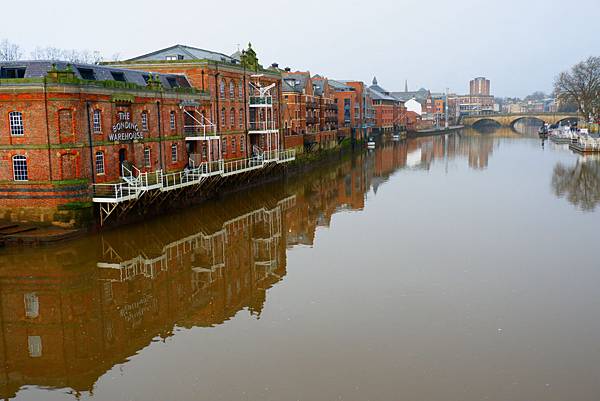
{"points": [[16, 123], [99, 162], [233, 149], [97, 121], [242, 144], [87, 74], [223, 117], [145, 121], [12, 72], [172, 120], [222, 88], [241, 90], [232, 118], [172, 82], [35, 346], [231, 89], [20, 168], [147, 162], [241, 118], [118, 76], [32, 305], [224, 146], [174, 153], [171, 58]]}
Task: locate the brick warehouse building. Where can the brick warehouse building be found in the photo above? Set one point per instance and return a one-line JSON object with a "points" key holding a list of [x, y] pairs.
{"points": [[227, 79], [63, 127]]}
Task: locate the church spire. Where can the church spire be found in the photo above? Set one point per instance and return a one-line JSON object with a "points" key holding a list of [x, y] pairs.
{"points": [[374, 80]]}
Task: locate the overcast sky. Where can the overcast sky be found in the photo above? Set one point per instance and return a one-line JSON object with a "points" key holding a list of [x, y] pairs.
{"points": [[520, 45]]}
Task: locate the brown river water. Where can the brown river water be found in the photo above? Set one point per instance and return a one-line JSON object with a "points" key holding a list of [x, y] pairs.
{"points": [[463, 267]]}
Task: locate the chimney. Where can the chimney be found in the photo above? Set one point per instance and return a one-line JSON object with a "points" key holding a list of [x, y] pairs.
{"points": [[287, 69], [275, 65]]}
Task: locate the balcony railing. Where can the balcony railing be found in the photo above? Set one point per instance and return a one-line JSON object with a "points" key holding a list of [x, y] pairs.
{"points": [[312, 120], [261, 101], [263, 126], [311, 104]]}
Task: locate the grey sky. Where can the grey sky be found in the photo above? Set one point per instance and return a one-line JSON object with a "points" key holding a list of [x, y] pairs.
{"points": [[520, 45]]}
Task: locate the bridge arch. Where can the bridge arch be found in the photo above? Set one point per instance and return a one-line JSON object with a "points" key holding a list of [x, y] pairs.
{"points": [[485, 121], [538, 120]]}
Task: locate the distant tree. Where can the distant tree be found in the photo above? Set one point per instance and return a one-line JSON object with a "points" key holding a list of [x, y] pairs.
{"points": [[73, 56], [581, 86], [9, 51], [537, 95]]}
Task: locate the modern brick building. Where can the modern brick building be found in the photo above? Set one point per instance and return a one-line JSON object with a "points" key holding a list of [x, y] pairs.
{"points": [[388, 108], [479, 87], [64, 127]]}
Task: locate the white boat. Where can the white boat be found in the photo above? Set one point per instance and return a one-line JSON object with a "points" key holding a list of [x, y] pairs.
{"points": [[371, 144]]}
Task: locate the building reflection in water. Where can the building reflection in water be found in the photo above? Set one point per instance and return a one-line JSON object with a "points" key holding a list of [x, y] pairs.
{"points": [[579, 184], [70, 313]]}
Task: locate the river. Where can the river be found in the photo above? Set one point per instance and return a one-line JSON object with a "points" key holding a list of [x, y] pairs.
{"points": [[460, 267]]}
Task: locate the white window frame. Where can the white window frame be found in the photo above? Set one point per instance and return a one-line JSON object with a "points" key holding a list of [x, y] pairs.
{"points": [[32, 305], [34, 344], [20, 172], [97, 122], [16, 123], [174, 153], [144, 121], [172, 120], [99, 163], [147, 157]]}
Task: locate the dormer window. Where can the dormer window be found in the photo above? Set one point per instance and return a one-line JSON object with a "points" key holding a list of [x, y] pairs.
{"points": [[12, 72], [174, 57], [118, 76], [172, 82], [87, 74]]}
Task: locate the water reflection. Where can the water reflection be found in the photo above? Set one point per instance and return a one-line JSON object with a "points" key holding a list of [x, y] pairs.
{"points": [[70, 313], [580, 183]]}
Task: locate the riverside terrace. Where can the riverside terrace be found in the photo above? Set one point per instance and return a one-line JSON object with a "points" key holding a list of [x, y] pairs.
{"points": [[56, 141]]}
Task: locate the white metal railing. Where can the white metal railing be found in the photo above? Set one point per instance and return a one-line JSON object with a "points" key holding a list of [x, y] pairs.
{"points": [[287, 155], [115, 192], [234, 166], [263, 126], [271, 155]]}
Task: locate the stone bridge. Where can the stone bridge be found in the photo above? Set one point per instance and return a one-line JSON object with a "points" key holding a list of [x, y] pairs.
{"points": [[508, 120]]}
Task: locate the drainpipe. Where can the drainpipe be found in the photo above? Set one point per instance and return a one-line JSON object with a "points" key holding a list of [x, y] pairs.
{"points": [[91, 147], [160, 146]]}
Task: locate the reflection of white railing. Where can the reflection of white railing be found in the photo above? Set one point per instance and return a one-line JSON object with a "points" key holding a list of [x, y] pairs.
{"points": [[286, 155]]}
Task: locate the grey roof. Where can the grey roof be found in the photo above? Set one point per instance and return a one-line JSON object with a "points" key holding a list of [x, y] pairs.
{"points": [[376, 95], [339, 86], [420, 95], [319, 86], [185, 53], [39, 69], [294, 82]]}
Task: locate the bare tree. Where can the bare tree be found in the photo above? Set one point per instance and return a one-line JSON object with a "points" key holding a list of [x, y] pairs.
{"points": [[9, 51], [581, 86], [73, 56], [579, 184]]}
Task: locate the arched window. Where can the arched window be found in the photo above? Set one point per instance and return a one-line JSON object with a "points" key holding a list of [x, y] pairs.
{"points": [[174, 153], [99, 162], [241, 118], [231, 89], [222, 88], [223, 119], [16, 123], [232, 117], [97, 122], [19, 168]]}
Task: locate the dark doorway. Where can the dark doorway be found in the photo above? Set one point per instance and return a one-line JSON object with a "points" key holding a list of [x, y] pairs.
{"points": [[122, 157]]}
